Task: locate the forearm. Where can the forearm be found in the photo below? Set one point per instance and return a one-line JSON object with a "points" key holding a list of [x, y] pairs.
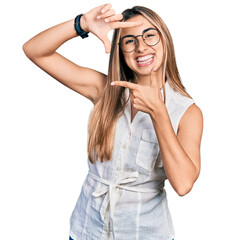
{"points": [[46, 42], [179, 168]]}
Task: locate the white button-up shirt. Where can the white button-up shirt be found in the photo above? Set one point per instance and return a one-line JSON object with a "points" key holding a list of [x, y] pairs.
{"points": [[124, 198]]}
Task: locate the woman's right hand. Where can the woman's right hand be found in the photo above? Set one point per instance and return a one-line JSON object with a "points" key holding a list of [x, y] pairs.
{"points": [[100, 27]]}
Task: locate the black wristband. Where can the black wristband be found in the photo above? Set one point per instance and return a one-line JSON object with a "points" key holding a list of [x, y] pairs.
{"points": [[78, 28]]}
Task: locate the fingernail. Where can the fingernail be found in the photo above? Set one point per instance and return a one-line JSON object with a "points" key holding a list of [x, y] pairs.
{"points": [[98, 17], [103, 10], [112, 83], [155, 68], [106, 20]]}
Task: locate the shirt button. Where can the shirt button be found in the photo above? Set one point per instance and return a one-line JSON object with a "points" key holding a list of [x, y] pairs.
{"points": [[124, 146]]}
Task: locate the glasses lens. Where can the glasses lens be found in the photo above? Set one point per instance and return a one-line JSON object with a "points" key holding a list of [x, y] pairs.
{"points": [[151, 37], [128, 44]]}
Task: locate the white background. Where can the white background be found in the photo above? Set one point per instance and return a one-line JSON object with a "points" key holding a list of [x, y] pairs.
{"points": [[44, 124]]}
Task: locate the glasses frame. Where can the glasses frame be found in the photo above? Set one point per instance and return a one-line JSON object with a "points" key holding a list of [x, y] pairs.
{"points": [[142, 38]]}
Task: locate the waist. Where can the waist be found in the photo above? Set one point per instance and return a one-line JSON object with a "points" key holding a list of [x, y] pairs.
{"points": [[129, 181], [111, 194]]}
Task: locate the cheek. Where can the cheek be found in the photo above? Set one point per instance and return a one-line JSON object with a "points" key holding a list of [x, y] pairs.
{"points": [[129, 61], [160, 53]]}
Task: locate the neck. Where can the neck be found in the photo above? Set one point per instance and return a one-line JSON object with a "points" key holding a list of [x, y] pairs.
{"points": [[146, 79]]}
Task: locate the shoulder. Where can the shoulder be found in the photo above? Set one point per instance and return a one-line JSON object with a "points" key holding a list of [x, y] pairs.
{"points": [[178, 96], [193, 113], [185, 114], [192, 118]]}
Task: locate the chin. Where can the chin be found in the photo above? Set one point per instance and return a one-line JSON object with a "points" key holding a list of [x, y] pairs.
{"points": [[143, 71]]}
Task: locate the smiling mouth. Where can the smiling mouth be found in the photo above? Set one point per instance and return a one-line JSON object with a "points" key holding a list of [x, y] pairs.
{"points": [[144, 61]]}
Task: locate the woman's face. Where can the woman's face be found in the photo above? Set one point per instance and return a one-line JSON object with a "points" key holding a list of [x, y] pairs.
{"points": [[135, 60]]}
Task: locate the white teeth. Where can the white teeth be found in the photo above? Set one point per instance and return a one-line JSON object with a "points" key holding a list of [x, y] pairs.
{"points": [[141, 59]]}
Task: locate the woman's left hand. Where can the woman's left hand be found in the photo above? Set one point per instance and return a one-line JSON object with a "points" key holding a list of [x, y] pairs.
{"points": [[147, 98]]}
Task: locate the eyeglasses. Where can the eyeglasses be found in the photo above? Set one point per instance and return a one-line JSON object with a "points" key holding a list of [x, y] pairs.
{"points": [[150, 36]]}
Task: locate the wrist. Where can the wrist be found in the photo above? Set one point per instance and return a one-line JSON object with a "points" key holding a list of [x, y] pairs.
{"points": [[158, 112], [83, 24]]}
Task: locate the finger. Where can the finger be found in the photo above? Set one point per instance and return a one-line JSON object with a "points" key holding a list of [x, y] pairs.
{"points": [[107, 44], [116, 17], [129, 85], [153, 78], [101, 8], [106, 7], [126, 24], [109, 13]]}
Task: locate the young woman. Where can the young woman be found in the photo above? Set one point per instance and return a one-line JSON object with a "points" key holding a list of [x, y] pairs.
{"points": [[144, 127]]}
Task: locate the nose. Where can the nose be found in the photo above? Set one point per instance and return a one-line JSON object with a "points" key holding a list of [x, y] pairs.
{"points": [[141, 45]]}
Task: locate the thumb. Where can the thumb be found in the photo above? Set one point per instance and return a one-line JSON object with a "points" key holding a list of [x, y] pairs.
{"points": [[107, 44], [153, 77]]}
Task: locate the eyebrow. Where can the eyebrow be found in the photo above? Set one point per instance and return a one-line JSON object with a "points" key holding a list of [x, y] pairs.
{"points": [[145, 30]]}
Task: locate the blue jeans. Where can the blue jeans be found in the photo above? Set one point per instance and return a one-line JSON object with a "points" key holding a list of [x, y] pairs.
{"points": [[73, 239]]}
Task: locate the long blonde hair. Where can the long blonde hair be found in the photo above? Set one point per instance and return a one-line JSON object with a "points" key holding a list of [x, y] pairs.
{"points": [[110, 106]]}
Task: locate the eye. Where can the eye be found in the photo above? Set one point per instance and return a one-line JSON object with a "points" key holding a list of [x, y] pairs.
{"points": [[129, 41]]}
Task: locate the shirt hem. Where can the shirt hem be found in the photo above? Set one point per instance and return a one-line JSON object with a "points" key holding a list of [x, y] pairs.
{"points": [[71, 234], [172, 237]]}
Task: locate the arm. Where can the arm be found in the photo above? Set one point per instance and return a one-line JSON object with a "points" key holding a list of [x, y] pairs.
{"points": [[41, 49], [180, 154]]}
